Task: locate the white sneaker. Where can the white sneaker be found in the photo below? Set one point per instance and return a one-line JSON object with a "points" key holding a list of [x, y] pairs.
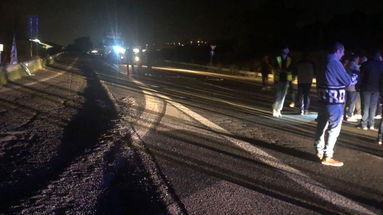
{"points": [[378, 116], [373, 128], [362, 127], [357, 116], [277, 114], [351, 119]]}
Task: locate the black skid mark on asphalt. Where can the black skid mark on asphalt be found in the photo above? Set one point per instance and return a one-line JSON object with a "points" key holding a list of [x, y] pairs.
{"points": [[81, 134], [127, 186]]}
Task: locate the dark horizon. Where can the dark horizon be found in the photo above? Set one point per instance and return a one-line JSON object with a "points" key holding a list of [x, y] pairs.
{"points": [[253, 24]]}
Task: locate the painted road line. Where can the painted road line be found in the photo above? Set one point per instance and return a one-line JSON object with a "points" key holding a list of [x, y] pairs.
{"points": [[294, 174], [6, 89]]}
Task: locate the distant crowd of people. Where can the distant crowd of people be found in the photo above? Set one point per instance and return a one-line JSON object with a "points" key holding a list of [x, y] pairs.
{"points": [[348, 89]]}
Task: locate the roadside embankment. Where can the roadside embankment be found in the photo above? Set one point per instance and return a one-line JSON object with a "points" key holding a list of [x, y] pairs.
{"points": [[13, 72]]}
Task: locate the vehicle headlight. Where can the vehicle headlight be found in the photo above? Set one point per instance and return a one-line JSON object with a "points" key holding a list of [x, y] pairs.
{"points": [[136, 59], [119, 50]]}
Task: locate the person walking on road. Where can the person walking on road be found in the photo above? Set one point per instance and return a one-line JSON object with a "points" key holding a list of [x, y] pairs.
{"points": [[282, 78], [305, 73], [369, 85], [331, 86]]}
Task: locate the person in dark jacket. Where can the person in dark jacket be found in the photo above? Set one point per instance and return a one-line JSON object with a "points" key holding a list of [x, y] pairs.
{"points": [[331, 87], [305, 70], [369, 85], [266, 69]]}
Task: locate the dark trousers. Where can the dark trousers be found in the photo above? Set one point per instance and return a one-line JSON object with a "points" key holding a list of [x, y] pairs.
{"points": [[380, 135], [264, 79], [369, 101], [304, 96]]}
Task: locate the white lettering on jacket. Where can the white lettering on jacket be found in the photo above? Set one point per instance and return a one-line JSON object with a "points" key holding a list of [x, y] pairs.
{"points": [[332, 96]]}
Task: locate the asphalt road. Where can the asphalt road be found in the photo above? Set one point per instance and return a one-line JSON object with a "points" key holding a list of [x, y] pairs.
{"points": [[210, 146], [221, 151]]}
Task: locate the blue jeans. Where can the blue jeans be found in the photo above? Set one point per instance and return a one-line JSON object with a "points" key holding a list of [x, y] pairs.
{"points": [[369, 101], [281, 89], [330, 123]]}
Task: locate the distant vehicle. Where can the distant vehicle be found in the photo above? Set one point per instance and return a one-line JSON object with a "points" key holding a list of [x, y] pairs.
{"points": [[95, 52], [114, 48], [137, 57]]}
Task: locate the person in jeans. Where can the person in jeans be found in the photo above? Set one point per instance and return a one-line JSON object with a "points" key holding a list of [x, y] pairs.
{"points": [[369, 85], [331, 87], [351, 93], [282, 78], [305, 73]]}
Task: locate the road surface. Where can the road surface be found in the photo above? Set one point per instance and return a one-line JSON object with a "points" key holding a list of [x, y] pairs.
{"points": [[204, 144]]}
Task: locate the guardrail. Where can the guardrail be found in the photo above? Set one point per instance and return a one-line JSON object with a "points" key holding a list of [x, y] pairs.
{"points": [[23, 69], [232, 71]]}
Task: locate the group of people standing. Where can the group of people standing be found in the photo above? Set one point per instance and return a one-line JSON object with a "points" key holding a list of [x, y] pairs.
{"points": [[285, 71], [345, 88]]}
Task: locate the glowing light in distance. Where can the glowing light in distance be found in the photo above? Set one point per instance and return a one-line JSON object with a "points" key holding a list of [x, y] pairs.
{"points": [[35, 40], [136, 59], [136, 50], [119, 49]]}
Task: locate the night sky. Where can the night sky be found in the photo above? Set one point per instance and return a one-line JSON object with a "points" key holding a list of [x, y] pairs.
{"points": [[146, 21]]}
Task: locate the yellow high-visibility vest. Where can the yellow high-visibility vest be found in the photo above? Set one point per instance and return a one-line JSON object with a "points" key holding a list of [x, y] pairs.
{"points": [[277, 72]]}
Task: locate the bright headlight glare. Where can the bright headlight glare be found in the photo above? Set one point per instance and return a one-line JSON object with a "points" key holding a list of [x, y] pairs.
{"points": [[119, 49], [136, 50], [136, 58]]}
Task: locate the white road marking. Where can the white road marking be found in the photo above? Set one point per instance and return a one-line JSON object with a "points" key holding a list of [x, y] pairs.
{"points": [[146, 123], [69, 67], [294, 174], [302, 179]]}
